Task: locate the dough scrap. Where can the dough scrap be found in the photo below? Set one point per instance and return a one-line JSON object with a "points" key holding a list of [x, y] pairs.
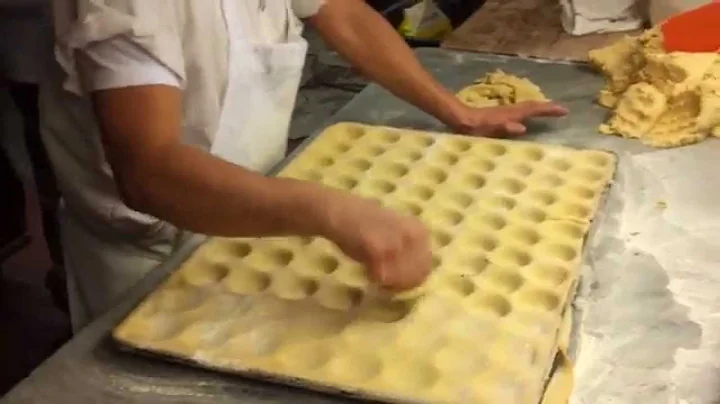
{"points": [[637, 111], [500, 88], [663, 99]]}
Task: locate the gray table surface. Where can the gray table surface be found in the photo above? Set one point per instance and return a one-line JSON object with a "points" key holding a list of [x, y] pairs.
{"points": [[90, 368]]}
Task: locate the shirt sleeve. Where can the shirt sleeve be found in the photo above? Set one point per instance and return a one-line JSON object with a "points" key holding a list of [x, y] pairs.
{"points": [[306, 8], [118, 63], [152, 35]]}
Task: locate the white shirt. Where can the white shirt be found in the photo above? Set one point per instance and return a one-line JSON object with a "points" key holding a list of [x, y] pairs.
{"points": [[183, 43], [221, 54], [118, 63]]}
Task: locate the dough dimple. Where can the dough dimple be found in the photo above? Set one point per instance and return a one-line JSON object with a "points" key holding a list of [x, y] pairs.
{"points": [[663, 99]]}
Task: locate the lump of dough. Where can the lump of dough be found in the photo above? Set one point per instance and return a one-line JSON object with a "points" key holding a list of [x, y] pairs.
{"points": [[677, 72], [663, 99], [637, 111], [500, 88], [708, 117], [710, 106], [677, 125], [713, 73], [619, 63]]}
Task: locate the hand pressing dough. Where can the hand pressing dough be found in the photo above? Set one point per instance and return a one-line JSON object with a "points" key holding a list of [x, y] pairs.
{"points": [[500, 88], [663, 99]]}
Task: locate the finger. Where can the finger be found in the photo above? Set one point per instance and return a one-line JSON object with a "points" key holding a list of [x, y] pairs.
{"points": [[402, 284], [415, 268], [374, 258], [515, 128], [381, 274], [495, 130], [385, 265], [413, 276], [533, 108], [387, 261], [399, 290], [414, 232]]}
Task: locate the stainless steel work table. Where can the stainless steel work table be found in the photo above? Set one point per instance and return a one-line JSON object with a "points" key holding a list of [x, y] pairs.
{"points": [[90, 369]]}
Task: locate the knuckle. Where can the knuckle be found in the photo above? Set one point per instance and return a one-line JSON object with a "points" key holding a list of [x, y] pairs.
{"points": [[416, 232], [374, 248]]}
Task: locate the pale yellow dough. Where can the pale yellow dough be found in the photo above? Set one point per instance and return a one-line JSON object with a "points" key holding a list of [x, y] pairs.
{"points": [[663, 99], [500, 88], [508, 221]]}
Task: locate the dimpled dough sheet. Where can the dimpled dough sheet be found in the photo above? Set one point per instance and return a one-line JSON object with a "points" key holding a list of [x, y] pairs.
{"points": [[508, 222], [663, 99]]}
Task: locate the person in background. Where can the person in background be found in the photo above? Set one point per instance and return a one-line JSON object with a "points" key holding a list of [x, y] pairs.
{"points": [[162, 118], [25, 46]]}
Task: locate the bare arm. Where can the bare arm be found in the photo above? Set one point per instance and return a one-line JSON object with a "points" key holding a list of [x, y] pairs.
{"points": [[188, 187], [370, 43], [192, 189]]}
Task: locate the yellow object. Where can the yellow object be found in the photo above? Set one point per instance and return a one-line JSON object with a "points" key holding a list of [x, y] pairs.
{"points": [[500, 88], [508, 220], [663, 99], [425, 20]]}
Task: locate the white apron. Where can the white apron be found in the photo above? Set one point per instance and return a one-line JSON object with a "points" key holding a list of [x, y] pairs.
{"points": [[262, 86], [260, 96]]}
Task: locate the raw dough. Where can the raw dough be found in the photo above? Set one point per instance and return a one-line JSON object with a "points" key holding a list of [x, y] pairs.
{"points": [[663, 99], [637, 111], [508, 222], [500, 88]]}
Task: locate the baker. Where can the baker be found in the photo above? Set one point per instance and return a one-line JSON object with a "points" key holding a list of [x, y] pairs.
{"points": [[161, 117]]}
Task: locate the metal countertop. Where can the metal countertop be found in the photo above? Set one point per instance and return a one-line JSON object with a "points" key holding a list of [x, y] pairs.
{"points": [[90, 369]]}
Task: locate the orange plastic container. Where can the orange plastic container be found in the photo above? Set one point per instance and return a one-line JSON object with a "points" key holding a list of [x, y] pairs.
{"points": [[697, 30]]}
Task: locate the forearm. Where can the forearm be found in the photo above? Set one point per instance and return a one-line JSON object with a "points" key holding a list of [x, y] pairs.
{"points": [[199, 192], [370, 43], [157, 174]]}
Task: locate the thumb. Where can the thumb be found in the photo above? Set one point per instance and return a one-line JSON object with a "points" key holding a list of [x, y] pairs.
{"points": [[515, 128], [379, 273], [540, 109]]}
